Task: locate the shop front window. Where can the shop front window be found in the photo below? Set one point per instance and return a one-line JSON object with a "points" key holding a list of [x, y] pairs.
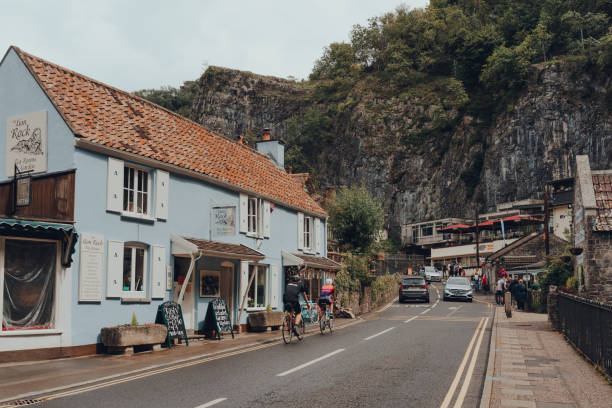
{"points": [[29, 284], [134, 264], [258, 290]]}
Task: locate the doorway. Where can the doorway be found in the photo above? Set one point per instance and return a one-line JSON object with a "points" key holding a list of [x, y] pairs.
{"points": [[181, 267], [226, 288]]}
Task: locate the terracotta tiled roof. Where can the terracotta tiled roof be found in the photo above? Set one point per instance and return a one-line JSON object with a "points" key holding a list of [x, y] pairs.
{"points": [[213, 248], [116, 119], [300, 177], [602, 184]]}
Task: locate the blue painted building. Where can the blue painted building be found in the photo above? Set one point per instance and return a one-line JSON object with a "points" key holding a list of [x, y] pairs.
{"points": [[111, 205]]}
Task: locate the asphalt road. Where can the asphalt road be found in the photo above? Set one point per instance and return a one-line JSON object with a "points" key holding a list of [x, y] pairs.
{"points": [[407, 355]]}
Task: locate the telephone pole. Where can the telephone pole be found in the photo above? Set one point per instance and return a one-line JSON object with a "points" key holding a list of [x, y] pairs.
{"points": [[546, 216], [476, 216]]}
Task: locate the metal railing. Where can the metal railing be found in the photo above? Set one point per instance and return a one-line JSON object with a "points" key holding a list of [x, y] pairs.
{"points": [[588, 326]]}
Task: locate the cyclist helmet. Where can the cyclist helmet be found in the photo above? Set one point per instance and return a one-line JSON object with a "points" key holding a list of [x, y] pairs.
{"points": [[329, 281]]}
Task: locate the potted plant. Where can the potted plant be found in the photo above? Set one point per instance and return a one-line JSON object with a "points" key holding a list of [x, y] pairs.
{"points": [[261, 320], [124, 337]]}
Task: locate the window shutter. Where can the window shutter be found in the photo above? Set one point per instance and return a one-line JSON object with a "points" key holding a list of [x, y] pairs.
{"points": [[244, 281], [274, 286], [244, 212], [317, 235], [158, 280], [162, 189], [300, 229], [114, 269], [266, 219], [114, 185]]}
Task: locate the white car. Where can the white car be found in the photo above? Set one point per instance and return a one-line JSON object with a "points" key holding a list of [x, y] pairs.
{"points": [[432, 274]]}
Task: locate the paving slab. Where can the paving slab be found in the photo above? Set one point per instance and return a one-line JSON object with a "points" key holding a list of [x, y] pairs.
{"points": [[533, 366]]}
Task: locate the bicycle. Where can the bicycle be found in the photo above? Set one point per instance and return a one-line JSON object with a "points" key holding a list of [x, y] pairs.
{"points": [[326, 318], [288, 324]]}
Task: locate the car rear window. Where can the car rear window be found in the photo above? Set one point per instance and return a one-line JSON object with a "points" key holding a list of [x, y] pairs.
{"points": [[413, 281]]}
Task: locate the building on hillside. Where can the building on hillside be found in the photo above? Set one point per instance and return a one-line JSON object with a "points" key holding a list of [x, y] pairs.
{"points": [[465, 255], [111, 205], [592, 220], [561, 201]]}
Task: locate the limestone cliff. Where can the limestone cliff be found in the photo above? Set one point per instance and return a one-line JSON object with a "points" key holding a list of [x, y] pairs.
{"points": [[419, 151]]}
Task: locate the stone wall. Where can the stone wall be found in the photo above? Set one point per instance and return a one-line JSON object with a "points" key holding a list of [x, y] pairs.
{"points": [[362, 303]]}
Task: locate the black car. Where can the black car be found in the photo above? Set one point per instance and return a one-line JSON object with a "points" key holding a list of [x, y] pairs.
{"points": [[413, 287]]}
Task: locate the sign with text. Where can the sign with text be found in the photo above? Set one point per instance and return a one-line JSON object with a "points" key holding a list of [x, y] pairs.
{"points": [[91, 268], [217, 318], [224, 221], [26, 143], [170, 314]]}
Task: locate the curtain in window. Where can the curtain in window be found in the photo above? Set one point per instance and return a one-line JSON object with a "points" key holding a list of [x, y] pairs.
{"points": [[29, 284]]}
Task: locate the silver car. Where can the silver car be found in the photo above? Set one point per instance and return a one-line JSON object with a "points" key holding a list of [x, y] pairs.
{"points": [[458, 287], [432, 274]]}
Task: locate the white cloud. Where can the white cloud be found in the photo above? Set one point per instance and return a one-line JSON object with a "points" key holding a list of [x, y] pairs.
{"points": [[146, 44]]}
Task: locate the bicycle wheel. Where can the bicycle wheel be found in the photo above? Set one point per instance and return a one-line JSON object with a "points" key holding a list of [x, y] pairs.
{"points": [[330, 322], [302, 329], [287, 332]]}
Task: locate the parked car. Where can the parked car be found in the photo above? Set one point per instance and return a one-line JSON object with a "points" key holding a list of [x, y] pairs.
{"points": [[413, 287], [432, 274], [458, 287]]}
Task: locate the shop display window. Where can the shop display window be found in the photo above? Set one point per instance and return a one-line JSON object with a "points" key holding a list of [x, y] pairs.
{"points": [[134, 267], [209, 283], [28, 300], [258, 291]]}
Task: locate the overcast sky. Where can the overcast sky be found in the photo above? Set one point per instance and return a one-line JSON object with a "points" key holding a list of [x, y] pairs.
{"points": [[136, 44]]}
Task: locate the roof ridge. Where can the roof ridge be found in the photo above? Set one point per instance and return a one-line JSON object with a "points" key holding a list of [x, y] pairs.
{"points": [[129, 95]]}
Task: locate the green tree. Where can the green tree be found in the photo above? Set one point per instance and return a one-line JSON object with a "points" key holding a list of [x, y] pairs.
{"points": [[355, 217], [506, 68], [338, 61]]}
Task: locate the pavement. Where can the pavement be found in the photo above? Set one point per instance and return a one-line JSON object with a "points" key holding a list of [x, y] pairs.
{"points": [[532, 366], [410, 354]]}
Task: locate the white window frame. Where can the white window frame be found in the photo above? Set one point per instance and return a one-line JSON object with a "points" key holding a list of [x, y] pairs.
{"points": [[137, 173], [259, 268], [56, 323], [132, 293], [254, 217], [308, 233]]}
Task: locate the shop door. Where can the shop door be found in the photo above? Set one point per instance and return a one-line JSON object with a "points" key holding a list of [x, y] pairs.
{"points": [[227, 287], [181, 266]]}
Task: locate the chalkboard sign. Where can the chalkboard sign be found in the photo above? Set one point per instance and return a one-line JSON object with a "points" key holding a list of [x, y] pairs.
{"points": [[217, 318], [170, 314]]}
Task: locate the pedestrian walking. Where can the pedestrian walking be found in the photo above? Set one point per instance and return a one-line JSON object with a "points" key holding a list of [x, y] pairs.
{"points": [[521, 295], [512, 287], [485, 283], [499, 293]]}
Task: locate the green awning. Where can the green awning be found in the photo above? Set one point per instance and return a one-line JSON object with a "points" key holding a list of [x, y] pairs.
{"points": [[66, 233]]}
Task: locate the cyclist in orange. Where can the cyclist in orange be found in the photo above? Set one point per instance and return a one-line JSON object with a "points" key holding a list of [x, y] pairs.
{"points": [[328, 295]]}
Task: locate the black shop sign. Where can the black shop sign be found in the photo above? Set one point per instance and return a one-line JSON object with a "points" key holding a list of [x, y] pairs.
{"points": [[171, 315], [217, 318]]}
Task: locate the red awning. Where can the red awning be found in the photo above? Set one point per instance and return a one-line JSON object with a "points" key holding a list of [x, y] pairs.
{"points": [[457, 228], [522, 219]]}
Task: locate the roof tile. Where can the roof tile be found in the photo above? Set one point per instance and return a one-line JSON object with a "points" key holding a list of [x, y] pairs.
{"points": [[602, 185], [110, 117]]}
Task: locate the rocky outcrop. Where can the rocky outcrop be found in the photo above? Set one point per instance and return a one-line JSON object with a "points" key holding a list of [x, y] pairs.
{"points": [[417, 151]]}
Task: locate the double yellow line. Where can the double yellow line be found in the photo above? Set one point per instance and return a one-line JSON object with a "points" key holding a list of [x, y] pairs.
{"points": [[479, 332], [160, 370]]}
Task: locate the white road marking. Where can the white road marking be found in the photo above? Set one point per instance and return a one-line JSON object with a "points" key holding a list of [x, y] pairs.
{"points": [[211, 403], [451, 390], [468, 375], [411, 319], [425, 311], [316, 360], [454, 310], [378, 334]]}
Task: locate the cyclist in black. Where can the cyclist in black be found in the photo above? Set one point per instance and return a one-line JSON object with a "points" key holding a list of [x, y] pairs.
{"points": [[292, 301]]}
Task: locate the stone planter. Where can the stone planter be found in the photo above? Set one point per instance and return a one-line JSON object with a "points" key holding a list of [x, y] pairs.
{"points": [[260, 321], [124, 337]]}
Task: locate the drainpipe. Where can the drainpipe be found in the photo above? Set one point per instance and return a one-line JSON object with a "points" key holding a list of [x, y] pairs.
{"points": [[191, 267]]}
